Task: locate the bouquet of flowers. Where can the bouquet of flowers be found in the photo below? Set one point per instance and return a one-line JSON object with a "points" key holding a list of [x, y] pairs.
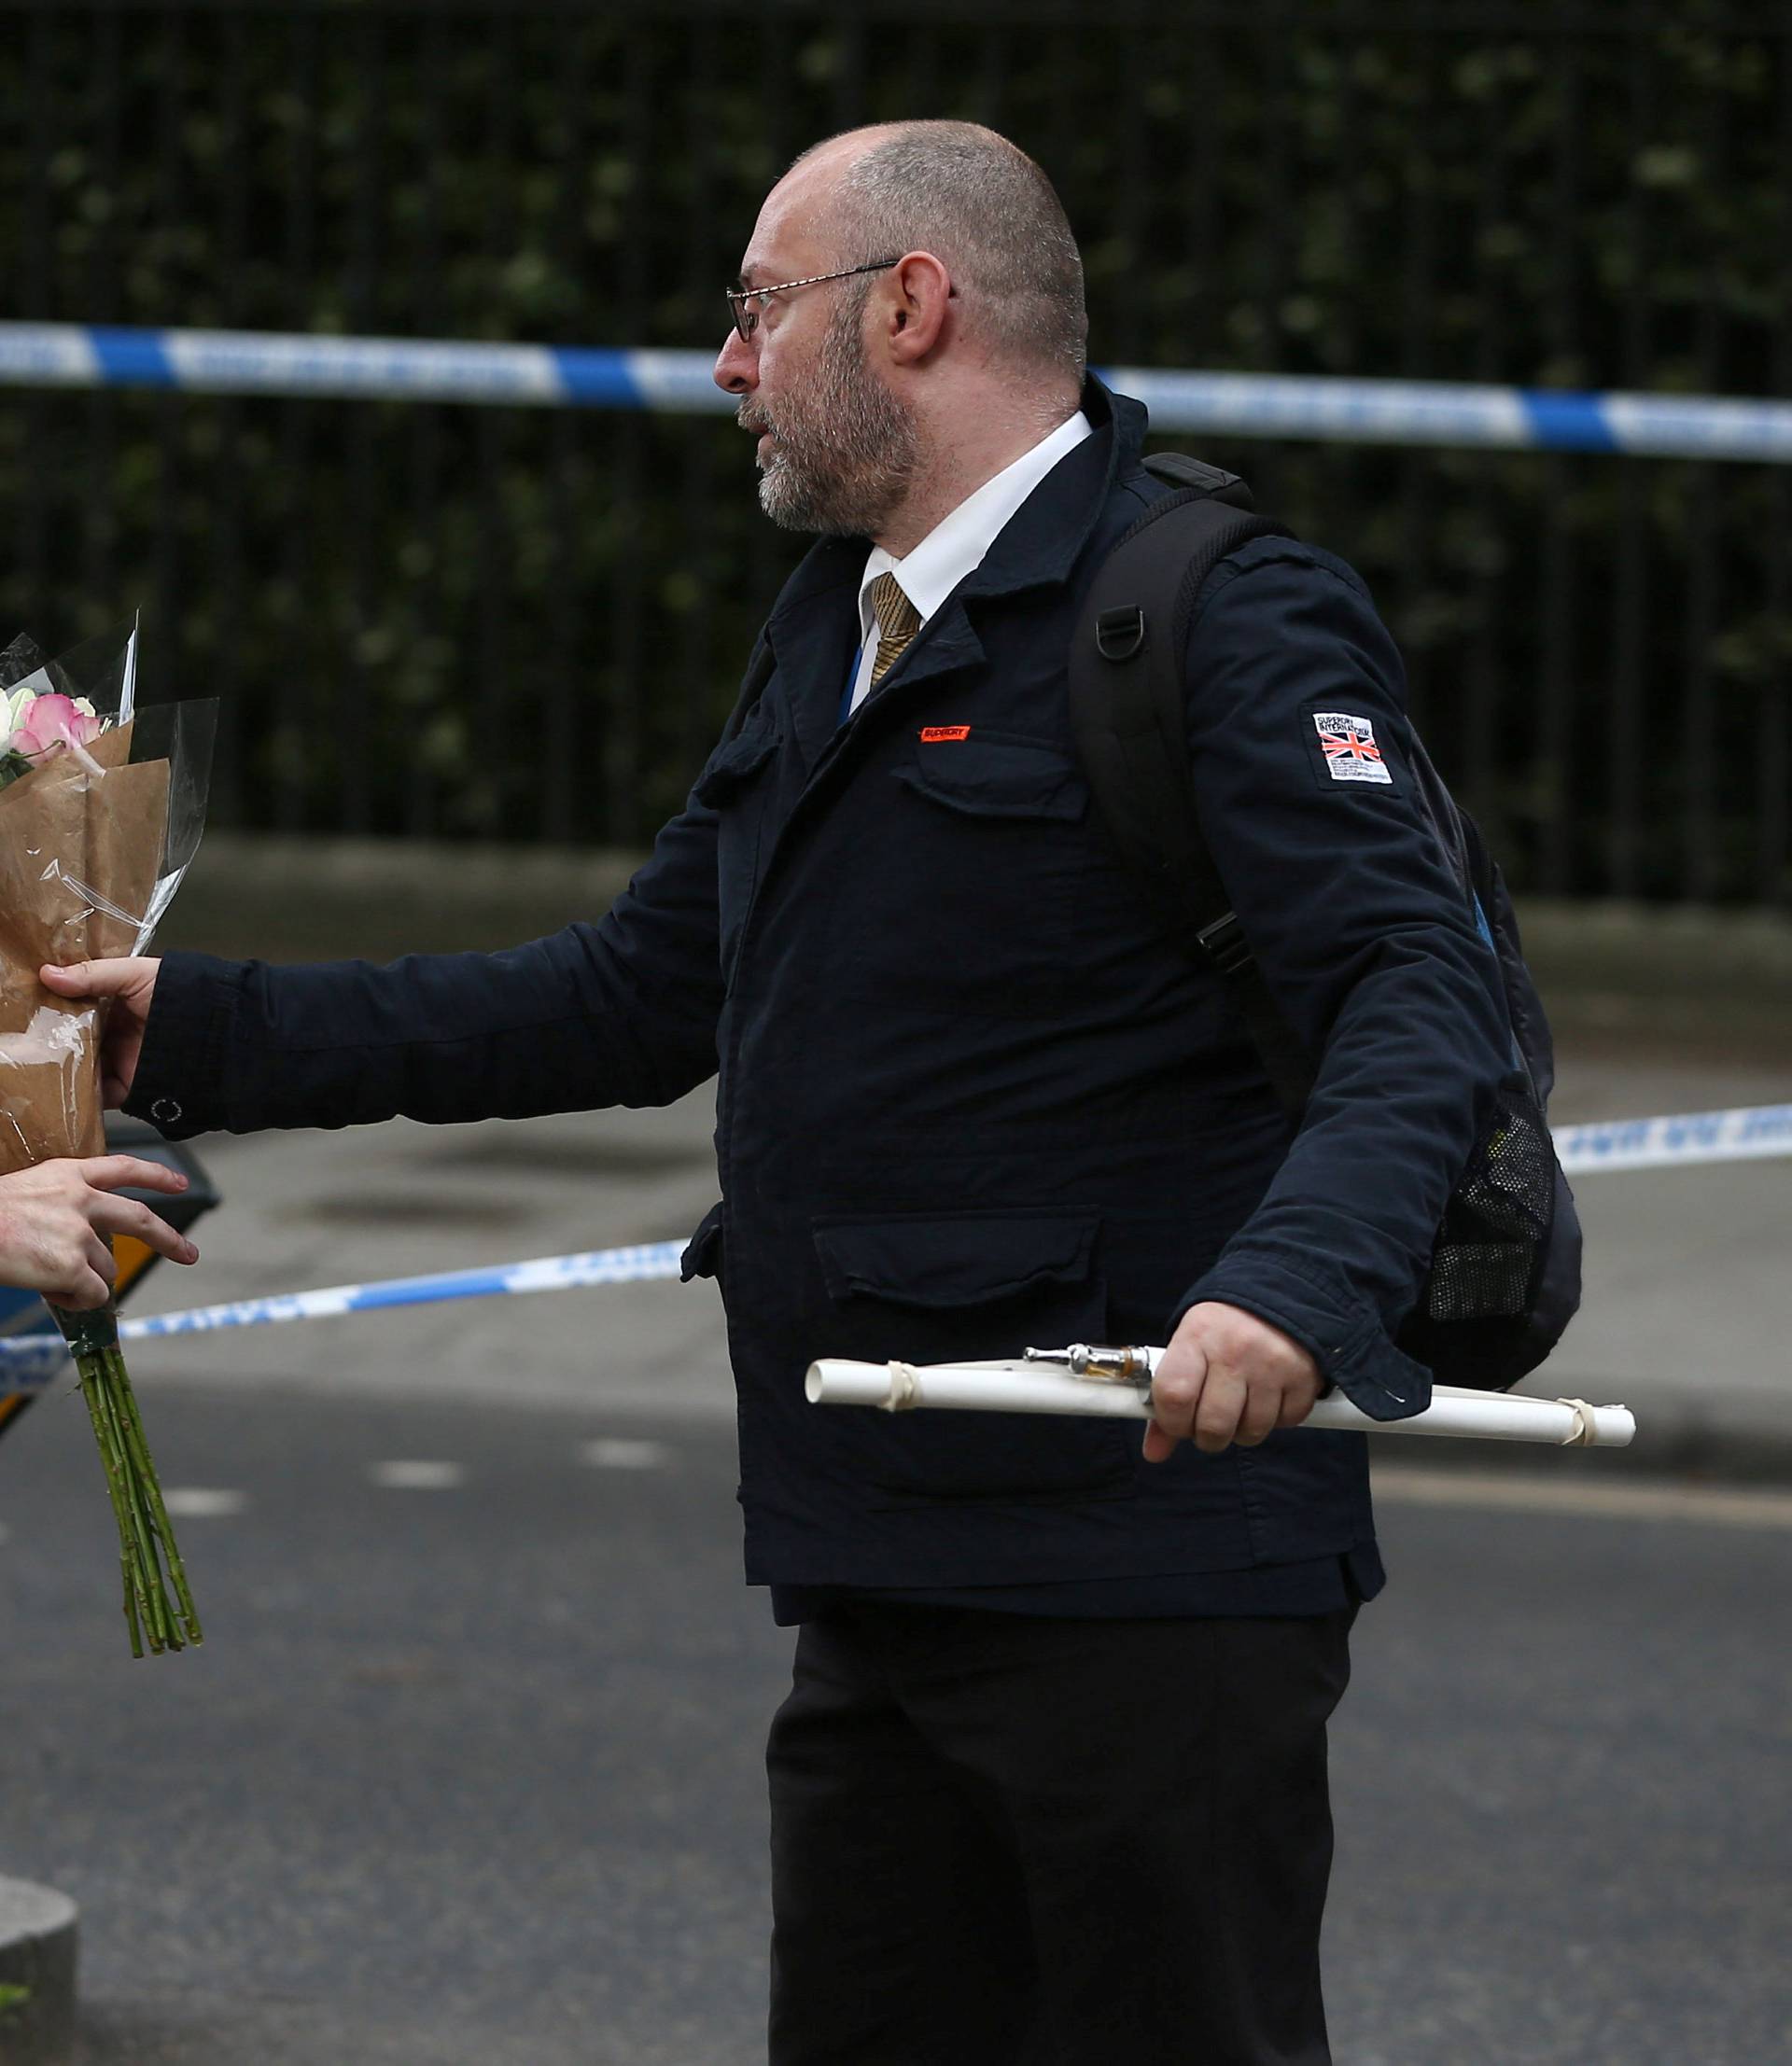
{"points": [[100, 806]]}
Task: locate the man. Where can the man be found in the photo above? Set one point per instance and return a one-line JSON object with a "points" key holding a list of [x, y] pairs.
{"points": [[1050, 1784]]}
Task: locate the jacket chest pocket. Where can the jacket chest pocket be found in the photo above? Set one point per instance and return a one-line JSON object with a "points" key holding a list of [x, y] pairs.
{"points": [[967, 1286], [992, 861], [736, 785]]}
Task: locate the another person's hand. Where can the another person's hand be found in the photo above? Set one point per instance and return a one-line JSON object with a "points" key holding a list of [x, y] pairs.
{"points": [[131, 984], [56, 1220], [1227, 1377]]}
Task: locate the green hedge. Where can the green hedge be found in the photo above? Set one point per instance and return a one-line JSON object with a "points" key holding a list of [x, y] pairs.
{"points": [[523, 625]]}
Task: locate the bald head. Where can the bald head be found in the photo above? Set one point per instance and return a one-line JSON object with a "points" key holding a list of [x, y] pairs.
{"points": [[980, 205]]}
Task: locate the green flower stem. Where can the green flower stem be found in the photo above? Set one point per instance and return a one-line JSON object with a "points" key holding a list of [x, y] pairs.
{"points": [[146, 1535], [145, 1472], [153, 1599], [111, 1450], [126, 1559]]}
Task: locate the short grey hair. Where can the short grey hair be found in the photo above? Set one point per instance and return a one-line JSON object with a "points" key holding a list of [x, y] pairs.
{"points": [[982, 205]]}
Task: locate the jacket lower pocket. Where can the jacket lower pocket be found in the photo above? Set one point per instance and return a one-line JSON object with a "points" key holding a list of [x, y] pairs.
{"points": [[946, 1287]]}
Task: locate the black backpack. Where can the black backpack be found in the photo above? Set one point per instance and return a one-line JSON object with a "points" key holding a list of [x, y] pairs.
{"points": [[1505, 1275]]}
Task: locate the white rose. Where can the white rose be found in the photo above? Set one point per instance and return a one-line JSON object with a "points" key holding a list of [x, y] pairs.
{"points": [[12, 708]]}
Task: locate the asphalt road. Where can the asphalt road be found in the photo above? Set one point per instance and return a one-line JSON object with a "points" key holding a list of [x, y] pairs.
{"points": [[467, 1773]]}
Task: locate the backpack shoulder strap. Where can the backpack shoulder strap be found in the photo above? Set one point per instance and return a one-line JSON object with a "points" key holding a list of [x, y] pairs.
{"points": [[1129, 720]]}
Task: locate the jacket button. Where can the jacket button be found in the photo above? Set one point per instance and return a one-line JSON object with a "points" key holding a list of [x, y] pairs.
{"points": [[166, 1110]]}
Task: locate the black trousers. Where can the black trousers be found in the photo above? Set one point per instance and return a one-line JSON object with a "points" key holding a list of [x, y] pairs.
{"points": [[998, 1840]]}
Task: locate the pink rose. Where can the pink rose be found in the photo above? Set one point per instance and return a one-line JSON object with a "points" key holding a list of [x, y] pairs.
{"points": [[48, 722]]}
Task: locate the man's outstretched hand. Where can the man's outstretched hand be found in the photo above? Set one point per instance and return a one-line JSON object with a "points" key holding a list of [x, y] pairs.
{"points": [[1227, 1377], [130, 984]]}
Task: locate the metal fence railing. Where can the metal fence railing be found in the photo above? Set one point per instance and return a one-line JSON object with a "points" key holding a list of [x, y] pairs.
{"points": [[525, 623]]}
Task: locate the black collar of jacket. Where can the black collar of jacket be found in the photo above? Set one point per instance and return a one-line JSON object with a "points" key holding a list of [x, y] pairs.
{"points": [[812, 634]]}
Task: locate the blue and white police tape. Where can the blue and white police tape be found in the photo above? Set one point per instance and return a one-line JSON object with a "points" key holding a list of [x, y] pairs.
{"points": [[28, 1361], [1235, 405], [1743, 1134]]}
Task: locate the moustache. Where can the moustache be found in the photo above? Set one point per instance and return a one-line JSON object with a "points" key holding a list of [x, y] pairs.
{"points": [[751, 421]]}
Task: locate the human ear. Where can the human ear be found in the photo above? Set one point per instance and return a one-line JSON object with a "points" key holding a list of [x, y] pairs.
{"points": [[916, 316]]}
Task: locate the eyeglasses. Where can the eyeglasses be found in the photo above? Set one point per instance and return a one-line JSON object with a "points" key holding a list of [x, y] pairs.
{"points": [[746, 318]]}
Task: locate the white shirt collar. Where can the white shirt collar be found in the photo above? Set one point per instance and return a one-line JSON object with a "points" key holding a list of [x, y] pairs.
{"points": [[961, 542]]}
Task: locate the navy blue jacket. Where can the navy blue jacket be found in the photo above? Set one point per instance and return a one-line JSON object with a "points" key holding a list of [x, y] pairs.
{"points": [[969, 1096]]}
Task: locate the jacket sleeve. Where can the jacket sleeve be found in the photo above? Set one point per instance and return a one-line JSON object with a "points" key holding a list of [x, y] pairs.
{"points": [[621, 1012], [1364, 935]]}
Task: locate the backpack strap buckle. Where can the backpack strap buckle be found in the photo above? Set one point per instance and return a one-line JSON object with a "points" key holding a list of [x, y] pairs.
{"points": [[1225, 944], [1119, 634]]}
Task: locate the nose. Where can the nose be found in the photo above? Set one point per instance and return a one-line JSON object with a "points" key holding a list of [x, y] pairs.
{"points": [[737, 369]]}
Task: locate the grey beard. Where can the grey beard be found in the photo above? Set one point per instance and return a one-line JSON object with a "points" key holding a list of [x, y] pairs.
{"points": [[843, 458], [826, 503]]}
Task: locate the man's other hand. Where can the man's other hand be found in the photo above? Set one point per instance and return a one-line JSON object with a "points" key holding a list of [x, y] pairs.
{"points": [[130, 984], [1227, 1377], [56, 1220]]}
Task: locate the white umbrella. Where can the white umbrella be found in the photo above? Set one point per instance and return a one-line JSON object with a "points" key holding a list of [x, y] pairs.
{"points": [[1115, 1384]]}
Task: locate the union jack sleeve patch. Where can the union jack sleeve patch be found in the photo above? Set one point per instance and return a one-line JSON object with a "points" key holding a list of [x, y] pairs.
{"points": [[1349, 746]]}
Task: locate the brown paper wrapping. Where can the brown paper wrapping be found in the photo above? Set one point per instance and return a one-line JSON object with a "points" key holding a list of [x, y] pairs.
{"points": [[81, 840]]}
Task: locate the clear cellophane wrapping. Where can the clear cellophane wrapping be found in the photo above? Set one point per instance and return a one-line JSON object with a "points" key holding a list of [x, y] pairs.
{"points": [[94, 840]]}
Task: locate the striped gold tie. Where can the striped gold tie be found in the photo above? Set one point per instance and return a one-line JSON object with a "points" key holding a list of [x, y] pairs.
{"points": [[898, 621]]}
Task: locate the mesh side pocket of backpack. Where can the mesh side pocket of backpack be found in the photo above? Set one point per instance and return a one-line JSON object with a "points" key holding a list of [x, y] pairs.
{"points": [[1495, 1229]]}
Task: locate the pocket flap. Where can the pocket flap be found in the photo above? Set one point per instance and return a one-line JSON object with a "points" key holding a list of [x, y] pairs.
{"points": [[738, 761], [953, 1259], [992, 776], [703, 1251]]}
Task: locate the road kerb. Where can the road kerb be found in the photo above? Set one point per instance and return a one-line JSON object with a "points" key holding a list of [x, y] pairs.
{"points": [[38, 1929]]}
